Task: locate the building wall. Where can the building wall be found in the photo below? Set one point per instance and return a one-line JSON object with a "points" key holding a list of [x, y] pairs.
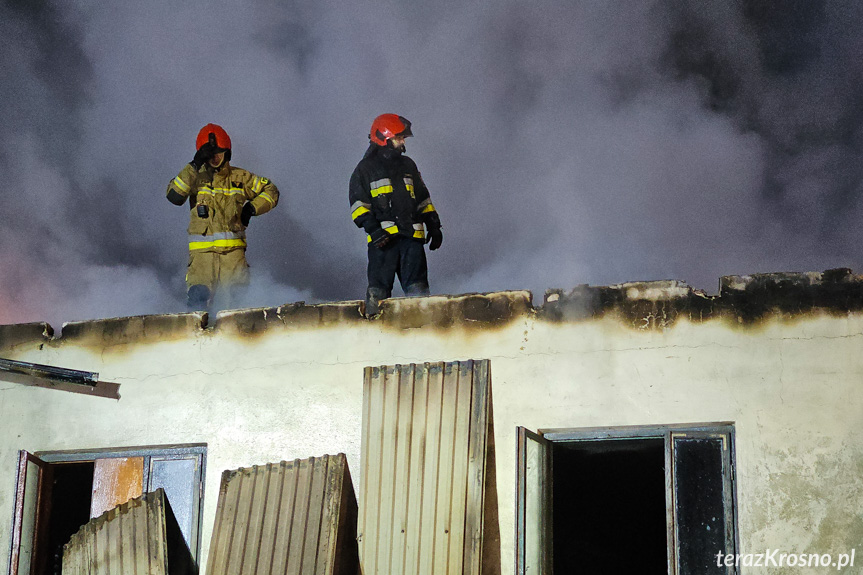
{"points": [[269, 385]]}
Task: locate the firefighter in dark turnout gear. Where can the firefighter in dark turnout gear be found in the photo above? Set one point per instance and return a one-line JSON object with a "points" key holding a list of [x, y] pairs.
{"points": [[222, 201], [391, 203]]}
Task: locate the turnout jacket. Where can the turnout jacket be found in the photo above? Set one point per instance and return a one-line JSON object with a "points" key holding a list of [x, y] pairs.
{"points": [[386, 190], [224, 190]]}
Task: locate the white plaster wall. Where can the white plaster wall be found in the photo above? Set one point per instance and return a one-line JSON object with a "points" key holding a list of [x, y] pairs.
{"points": [[794, 391]]}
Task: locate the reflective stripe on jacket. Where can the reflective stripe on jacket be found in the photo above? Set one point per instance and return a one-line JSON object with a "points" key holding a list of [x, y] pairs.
{"points": [[386, 189], [223, 191]]}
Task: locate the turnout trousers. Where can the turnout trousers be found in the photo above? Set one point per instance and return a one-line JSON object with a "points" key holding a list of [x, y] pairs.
{"points": [[403, 257], [209, 270]]}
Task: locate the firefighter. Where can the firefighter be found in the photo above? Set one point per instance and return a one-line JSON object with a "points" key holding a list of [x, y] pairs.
{"points": [[390, 201], [222, 200]]}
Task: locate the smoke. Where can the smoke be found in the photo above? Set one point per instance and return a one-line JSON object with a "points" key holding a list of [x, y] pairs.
{"points": [[563, 143], [262, 291]]}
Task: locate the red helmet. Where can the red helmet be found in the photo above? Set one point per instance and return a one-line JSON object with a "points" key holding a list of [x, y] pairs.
{"points": [[223, 140], [386, 126]]}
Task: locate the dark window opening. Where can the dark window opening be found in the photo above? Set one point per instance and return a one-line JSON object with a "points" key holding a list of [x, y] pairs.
{"points": [[654, 500], [609, 510], [71, 491]]}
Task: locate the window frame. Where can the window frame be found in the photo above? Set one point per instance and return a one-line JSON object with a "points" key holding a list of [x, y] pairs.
{"points": [[545, 473], [46, 459], [42, 487], [668, 433]]}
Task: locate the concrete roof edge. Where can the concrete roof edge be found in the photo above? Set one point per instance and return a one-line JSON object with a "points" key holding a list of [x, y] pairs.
{"points": [[14, 335], [746, 297]]}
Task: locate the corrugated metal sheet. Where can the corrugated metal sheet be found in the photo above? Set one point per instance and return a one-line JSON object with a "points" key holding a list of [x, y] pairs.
{"points": [[131, 538], [289, 518], [425, 431]]}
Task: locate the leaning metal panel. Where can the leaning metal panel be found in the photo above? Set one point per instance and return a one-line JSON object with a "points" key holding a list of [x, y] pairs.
{"points": [[129, 539], [425, 431], [290, 518]]}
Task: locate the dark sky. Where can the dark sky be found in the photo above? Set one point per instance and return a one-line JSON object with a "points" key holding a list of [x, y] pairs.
{"points": [[563, 142]]}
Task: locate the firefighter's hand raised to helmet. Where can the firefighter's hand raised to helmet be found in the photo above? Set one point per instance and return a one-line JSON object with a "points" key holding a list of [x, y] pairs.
{"points": [[435, 238], [247, 213], [204, 154], [380, 238]]}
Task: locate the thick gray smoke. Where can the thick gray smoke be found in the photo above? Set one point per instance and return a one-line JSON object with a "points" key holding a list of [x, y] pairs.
{"points": [[563, 143]]}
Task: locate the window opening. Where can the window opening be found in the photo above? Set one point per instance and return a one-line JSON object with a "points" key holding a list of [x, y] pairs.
{"points": [[69, 509], [609, 507], [652, 500]]}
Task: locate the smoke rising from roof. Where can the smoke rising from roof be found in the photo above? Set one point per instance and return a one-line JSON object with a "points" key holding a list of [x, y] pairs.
{"points": [[563, 143]]}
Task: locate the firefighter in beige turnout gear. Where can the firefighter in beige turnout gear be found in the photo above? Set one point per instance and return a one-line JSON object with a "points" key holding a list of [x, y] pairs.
{"points": [[222, 200]]}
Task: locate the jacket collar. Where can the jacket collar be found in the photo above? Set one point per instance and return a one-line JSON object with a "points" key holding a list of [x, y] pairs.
{"points": [[382, 152], [222, 170]]}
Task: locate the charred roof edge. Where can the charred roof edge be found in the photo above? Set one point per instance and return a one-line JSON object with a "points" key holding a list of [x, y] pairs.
{"points": [[649, 304]]}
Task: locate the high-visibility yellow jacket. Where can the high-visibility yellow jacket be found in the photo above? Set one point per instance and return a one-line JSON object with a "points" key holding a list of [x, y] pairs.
{"points": [[224, 191]]}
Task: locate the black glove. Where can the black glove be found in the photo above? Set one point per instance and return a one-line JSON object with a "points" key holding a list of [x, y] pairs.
{"points": [[204, 154], [380, 238], [435, 238], [203, 211], [247, 213]]}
